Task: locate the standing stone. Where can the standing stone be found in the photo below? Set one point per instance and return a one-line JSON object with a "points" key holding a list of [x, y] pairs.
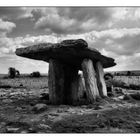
{"points": [[100, 79], [56, 82], [63, 83], [70, 84], [90, 80]]}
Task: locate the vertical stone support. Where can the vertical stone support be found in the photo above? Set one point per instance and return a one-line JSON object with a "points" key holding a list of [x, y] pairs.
{"points": [[100, 78], [90, 80], [70, 84], [63, 83], [56, 82]]}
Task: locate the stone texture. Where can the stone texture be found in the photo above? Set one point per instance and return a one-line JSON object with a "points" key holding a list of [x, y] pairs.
{"points": [[90, 80], [63, 83], [100, 79], [56, 82], [68, 51]]}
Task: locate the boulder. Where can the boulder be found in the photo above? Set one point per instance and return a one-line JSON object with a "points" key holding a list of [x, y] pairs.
{"points": [[39, 108], [68, 51]]}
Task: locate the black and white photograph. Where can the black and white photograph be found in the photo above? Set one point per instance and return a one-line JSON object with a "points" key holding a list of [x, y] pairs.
{"points": [[69, 69]]}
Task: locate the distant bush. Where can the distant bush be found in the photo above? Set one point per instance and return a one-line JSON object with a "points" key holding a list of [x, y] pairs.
{"points": [[128, 73], [12, 73], [35, 74], [108, 76]]}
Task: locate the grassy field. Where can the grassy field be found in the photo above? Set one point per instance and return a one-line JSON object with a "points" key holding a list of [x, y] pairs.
{"points": [[42, 82], [131, 82], [27, 82], [135, 80]]}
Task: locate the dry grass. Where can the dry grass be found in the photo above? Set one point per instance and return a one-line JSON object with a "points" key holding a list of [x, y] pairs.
{"points": [[27, 82], [130, 82], [135, 80]]}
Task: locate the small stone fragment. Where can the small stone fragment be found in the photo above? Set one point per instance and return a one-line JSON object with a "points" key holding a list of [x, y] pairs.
{"points": [[44, 126]]}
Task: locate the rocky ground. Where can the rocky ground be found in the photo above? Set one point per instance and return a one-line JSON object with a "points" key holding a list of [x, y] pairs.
{"points": [[25, 110]]}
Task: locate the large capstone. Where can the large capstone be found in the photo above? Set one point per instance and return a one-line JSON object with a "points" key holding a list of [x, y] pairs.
{"points": [[68, 51]]}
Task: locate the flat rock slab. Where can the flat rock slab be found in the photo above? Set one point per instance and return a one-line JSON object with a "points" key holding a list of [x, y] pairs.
{"points": [[68, 51]]}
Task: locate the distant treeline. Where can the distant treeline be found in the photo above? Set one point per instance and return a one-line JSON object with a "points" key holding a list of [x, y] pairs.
{"points": [[14, 73]]}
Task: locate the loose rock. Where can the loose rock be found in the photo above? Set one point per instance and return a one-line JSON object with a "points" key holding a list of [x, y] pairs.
{"points": [[39, 108], [44, 126]]}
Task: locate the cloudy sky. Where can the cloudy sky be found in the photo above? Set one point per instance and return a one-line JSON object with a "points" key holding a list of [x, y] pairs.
{"points": [[114, 31]]}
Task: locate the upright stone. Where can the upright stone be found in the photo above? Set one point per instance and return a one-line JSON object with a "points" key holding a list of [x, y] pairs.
{"points": [[63, 83], [56, 82], [100, 79], [90, 80], [70, 84]]}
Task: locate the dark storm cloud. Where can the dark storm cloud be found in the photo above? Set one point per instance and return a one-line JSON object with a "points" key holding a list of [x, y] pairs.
{"points": [[101, 15], [74, 20], [15, 12]]}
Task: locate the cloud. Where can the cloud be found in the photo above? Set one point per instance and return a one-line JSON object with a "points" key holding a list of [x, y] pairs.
{"points": [[121, 44], [12, 13], [125, 17], [72, 20], [9, 45], [26, 12], [100, 15], [77, 20], [24, 65], [6, 27]]}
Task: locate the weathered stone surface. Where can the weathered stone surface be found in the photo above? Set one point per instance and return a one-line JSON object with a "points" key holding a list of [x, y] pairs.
{"points": [[56, 82], [70, 84], [100, 80], [68, 51], [63, 83], [90, 80]]}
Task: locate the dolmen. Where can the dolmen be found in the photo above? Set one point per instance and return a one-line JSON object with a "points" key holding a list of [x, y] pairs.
{"points": [[65, 60]]}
